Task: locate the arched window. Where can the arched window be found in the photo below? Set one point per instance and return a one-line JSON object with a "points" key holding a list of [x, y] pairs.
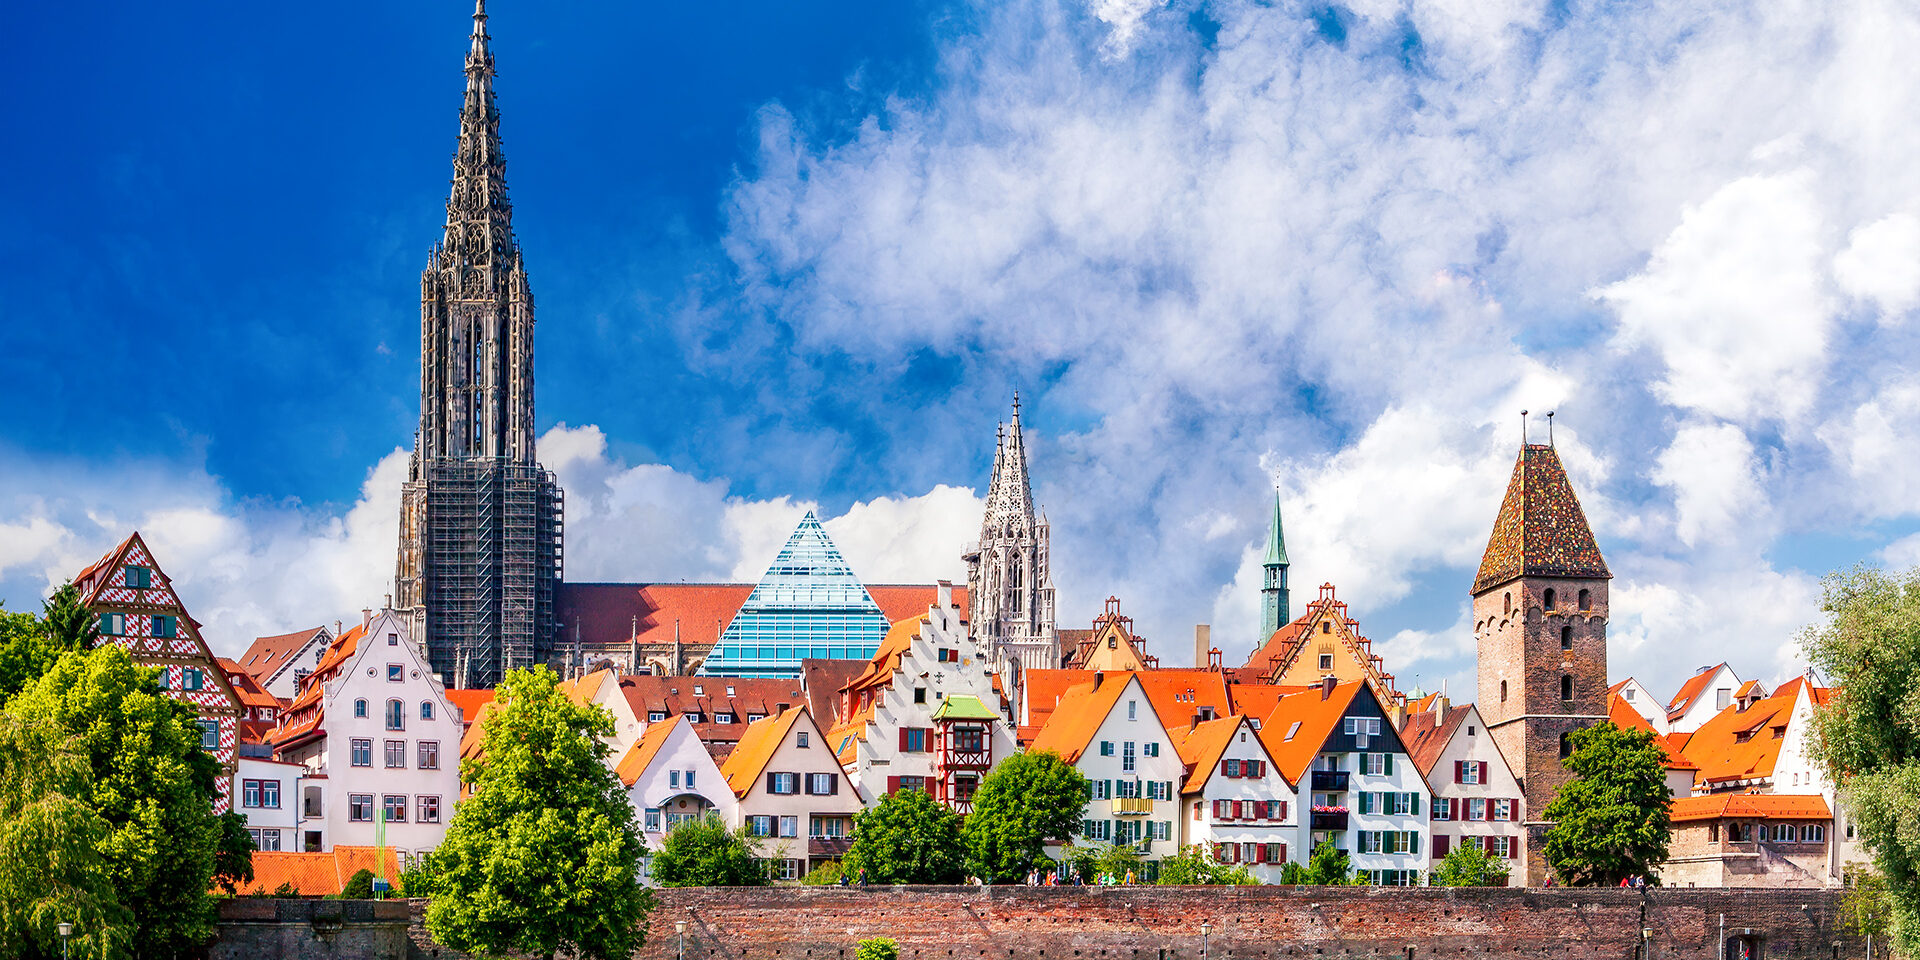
{"points": [[1509, 605], [1566, 638], [396, 715], [360, 709], [1503, 691], [1549, 599], [1566, 686], [1018, 581], [1586, 599], [426, 709]]}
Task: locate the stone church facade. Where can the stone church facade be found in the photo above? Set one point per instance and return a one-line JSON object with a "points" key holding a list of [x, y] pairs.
{"points": [[1009, 575]]}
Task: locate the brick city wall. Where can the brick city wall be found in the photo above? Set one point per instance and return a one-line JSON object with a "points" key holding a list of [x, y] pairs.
{"points": [[255, 929], [1307, 923]]}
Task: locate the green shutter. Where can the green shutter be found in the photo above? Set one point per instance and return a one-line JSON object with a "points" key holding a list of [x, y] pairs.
{"points": [[1389, 762], [1416, 803], [1413, 841], [1365, 802]]}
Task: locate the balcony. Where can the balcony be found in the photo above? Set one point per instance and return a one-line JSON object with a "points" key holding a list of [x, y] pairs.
{"points": [[1132, 807], [1333, 781], [1330, 819]]}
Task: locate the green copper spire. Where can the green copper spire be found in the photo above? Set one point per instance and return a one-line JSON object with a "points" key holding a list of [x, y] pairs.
{"points": [[1275, 606]]}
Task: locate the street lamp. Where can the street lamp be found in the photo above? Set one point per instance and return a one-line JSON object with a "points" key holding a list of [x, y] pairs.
{"points": [[66, 930], [1205, 929], [680, 928]]}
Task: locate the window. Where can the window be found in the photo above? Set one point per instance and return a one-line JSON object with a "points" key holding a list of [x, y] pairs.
{"points": [[113, 624], [266, 840], [913, 739], [1713, 833], [1126, 756], [1566, 686], [429, 809], [1293, 730], [429, 755], [699, 690], [1151, 748], [396, 754], [396, 715], [426, 709], [1099, 789], [653, 819], [800, 739], [1133, 709], [1443, 809], [360, 709], [1566, 643], [760, 825], [818, 784], [756, 717], [393, 639], [210, 734], [1586, 599], [1722, 698], [163, 627], [395, 807], [1814, 833], [299, 674], [1503, 809], [723, 718], [655, 716], [1508, 605], [689, 774], [828, 827], [783, 783], [139, 578], [1503, 691], [360, 807], [919, 694], [1476, 809], [250, 793], [192, 678], [363, 753], [395, 673], [1566, 745], [1106, 748], [1326, 661], [1627, 694], [789, 826], [1326, 627]]}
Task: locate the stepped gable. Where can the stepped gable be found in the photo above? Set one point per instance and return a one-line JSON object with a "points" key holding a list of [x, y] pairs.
{"points": [[1541, 530]]}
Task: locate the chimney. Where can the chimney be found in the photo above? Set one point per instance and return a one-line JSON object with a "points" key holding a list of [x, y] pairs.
{"points": [[1440, 705], [336, 629], [1397, 715], [1099, 676], [389, 604], [943, 594], [366, 618], [1202, 642], [1326, 687]]}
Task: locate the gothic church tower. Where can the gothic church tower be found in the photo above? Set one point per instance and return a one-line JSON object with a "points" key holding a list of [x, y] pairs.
{"points": [[480, 520], [1276, 603], [1540, 617], [1009, 583]]}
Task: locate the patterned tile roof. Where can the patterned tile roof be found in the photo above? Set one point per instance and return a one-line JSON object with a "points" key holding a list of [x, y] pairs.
{"points": [[1541, 530]]}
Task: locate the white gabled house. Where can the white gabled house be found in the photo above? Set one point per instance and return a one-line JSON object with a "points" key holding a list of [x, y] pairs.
{"points": [[671, 779], [1477, 799], [379, 740], [1706, 693], [899, 731], [1108, 730], [792, 793], [1239, 806], [1360, 790]]}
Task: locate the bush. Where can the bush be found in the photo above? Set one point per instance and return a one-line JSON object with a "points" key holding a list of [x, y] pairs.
{"points": [[704, 853], [824, 875], [877, 948], [1195, 866], [359, 886]]}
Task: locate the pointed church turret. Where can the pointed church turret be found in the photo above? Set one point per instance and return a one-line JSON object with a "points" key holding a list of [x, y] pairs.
{"points": [[1276, 606], [481, 597], [1009, 580], [1540, 619]]}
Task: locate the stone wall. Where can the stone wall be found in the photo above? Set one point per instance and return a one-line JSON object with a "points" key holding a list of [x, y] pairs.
{"points": [[252, 929]]}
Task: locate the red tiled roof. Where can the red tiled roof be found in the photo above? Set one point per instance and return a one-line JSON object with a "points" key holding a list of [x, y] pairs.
{"points": [[317, 874], [1541, 530], [1755, 806], [675, 695], [1695, 685], [823, 679], [606, 614], [268, 654], [249, 689], [1427, 734]]}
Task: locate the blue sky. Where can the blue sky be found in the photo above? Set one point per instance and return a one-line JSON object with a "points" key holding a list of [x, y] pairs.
{"points": [[792, 255]]}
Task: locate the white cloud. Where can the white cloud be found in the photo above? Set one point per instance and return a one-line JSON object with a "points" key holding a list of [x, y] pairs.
{"points": [[1716, 487], [1903, 553], [1882, 263]]}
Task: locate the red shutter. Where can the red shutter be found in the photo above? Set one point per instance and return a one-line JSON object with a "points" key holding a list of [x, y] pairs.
{"points": [[893, 784], [1513, 809], [1283, 816], [1459, 771], [1453, 808], [1282, 858], [1441, 843], [1223, 769], [1483, 771], [903, 739]]}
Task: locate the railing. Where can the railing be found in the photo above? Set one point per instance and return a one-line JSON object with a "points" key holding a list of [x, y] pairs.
{"points": [[1132, 806], [1335, 780], [1330, 820]]}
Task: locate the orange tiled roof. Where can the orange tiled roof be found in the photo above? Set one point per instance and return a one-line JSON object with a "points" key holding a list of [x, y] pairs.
{"points": [[1743, 744], [1317, 718], [1752, 806], [635, 761], [756, 748], [609, 616], [1177, 695], [470, 702], [1081, 711], [1278, 647], [1541, 530], [1200, 748], [1689, 691], [268, 655], [1256, 699], [1623, 714], [317, 874], [249, 689]]}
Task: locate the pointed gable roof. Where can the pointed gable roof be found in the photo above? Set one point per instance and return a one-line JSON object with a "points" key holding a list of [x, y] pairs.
{"points": [[1318, 716], [758, 745], [1541, 530], [1201, 747], [269, 655], [1427, 734], [639, 756], [103, 584], [1079, 715], [1691, 691]]}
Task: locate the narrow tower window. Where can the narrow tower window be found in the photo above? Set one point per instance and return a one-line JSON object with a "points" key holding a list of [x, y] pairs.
{"points": [[1503, 691], [1566, 745], [1566, 638], [1548, 603], [1566, 686], [1508, 609], [1586, 599]]}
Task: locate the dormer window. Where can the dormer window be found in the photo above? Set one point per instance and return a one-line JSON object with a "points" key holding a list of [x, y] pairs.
{"points": [[699, 691], [655, 716], [729, 691], [139, 578]]}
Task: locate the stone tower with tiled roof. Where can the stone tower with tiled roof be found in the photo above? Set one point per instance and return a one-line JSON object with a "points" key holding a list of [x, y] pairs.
{"points": [[480, 519], [1540, 617], [1009, 580]]}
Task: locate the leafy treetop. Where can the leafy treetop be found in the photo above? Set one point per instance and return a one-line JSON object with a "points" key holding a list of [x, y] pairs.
{"points": [[1611, 821]]}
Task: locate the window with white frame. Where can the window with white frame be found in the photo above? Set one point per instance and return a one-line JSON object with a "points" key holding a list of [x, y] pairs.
{"points": [[429, 809], [1126, 756], [790, 826], [1477, 809], [653, 819], [1503, 810], [429, 754]]}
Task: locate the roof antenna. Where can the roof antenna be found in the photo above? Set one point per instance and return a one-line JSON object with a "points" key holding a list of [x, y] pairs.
{"points": [[1523, 428], [1549, 428]]}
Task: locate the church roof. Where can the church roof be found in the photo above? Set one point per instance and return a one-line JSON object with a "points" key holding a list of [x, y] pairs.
{"points": [[1541, 530], [1276, 537], [807, 600]]}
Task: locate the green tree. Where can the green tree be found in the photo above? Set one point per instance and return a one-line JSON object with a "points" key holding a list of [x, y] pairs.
{"points": [[1027, 801], [543, 855], [1195, 866], [1329, 866], [150, 782], [25, 652], [69, 625], [1611, 821], [1470, 866], [704, 853], [877, 948], [1865, 909], [51, 865], [1867, 735], [825, 875], [233, 855], [358, 887], [907, 837]]}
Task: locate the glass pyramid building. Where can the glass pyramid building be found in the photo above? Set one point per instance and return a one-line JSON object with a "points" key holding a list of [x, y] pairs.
{"points": [[808, 604]]}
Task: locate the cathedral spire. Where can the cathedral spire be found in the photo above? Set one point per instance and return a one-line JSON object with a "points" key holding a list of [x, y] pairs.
{"points": [[1009, 582], [1009, 494], [1275, 603]]}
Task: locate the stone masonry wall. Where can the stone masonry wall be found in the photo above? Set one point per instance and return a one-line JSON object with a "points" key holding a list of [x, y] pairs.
{"points": [[1308, 923]]}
